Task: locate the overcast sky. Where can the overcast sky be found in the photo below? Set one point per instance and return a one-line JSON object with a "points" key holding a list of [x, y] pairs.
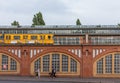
{"points": [[61, 12]]}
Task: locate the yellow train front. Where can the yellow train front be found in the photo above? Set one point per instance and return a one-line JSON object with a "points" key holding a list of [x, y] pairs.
{"points": [[26, 38]]}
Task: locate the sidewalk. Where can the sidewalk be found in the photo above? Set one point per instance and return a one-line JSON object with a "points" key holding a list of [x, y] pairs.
{"points": [[59, 79]]}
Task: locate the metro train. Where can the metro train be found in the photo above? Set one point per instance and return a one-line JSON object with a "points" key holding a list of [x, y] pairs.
{"points": [[26, 39]]}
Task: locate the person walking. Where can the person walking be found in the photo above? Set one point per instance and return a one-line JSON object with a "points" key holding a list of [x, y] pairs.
{"points": [[38, 71], [53, 73]]}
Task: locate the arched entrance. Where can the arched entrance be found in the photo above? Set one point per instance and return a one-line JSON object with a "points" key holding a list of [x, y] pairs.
{"points": [[107, 65], [65, 65], [9, 65]]}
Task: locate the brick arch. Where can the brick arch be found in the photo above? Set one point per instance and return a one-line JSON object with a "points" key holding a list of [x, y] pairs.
{"points": [[10, 54], [105, 53], [59, 51]]}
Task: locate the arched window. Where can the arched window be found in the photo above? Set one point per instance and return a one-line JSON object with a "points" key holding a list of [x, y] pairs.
{"points": [[117, 63], [13, 64], [46, 63], [100, 66], [109, 64], [62, 63], [4, 62], [8, 63], [73, 65], [56, 61], [37, 65]]}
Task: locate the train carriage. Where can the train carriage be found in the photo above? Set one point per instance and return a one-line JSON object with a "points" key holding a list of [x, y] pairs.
{"points": [[26, 38]]}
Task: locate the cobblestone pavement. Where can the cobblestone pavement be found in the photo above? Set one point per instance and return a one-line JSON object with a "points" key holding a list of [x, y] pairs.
{"points": [[59, 79]]}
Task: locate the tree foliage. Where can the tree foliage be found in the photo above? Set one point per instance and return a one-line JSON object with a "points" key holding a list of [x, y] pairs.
{"points": [[38, 19], [15, 23], [78, 22], [118, 24]]}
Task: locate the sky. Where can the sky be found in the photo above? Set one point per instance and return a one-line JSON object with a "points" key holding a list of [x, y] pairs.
{"points": [[61, 12]]}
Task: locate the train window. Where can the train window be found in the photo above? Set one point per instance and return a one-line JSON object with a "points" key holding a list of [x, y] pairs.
{"points": [[17, 37], [25, 37], [33, 37], [1, 37], [8, 37], [42, 37], [49, 37]]}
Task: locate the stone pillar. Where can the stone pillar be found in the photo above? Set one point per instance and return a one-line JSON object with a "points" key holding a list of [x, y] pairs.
{"points": [[87, 66], [25, 65]]}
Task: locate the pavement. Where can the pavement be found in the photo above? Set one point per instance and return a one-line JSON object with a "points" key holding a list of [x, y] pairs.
{"points": [[59, 79]]}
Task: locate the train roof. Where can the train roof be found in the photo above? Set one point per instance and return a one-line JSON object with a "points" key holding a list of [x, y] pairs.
{"points": [[62, 27]]}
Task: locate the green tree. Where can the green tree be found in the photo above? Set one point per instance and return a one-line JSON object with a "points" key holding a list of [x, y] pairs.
{"points": [[78, 22], [15, 23], [118, 24], [38, 19]]}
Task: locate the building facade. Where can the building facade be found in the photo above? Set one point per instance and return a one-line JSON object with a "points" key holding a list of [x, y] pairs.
{"points": [[73, 51]]}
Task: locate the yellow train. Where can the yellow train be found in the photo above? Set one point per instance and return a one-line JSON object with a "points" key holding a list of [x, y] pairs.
{"points": [[26, 38]]}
